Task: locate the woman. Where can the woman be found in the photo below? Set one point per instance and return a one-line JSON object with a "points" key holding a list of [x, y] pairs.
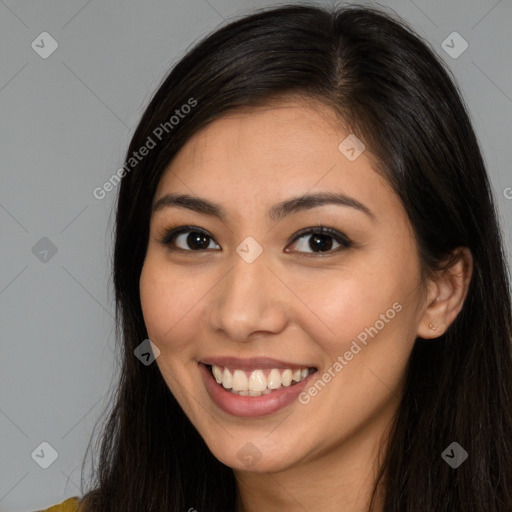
{"points": [[306, 233]]}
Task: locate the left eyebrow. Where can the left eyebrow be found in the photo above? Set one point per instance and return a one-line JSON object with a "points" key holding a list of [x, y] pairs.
{"points": [[276, 213]]}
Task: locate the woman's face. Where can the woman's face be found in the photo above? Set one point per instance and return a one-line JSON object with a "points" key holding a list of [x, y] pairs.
{"points": [[258, 302]]}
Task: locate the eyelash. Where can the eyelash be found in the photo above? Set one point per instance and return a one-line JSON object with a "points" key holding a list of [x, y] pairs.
{"points": [[343, 240]]}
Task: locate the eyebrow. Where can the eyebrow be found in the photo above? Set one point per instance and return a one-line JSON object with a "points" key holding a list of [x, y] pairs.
{"points": [[276, 213]]}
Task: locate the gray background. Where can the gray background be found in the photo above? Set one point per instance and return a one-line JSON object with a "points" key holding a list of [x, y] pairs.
{"points": [[64, 128]]}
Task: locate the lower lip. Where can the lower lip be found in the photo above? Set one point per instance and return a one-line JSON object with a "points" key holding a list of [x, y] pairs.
{"points": [[250, 406]]}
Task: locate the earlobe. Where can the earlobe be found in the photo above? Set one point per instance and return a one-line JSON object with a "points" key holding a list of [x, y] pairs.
{"points": [[432, 327], [447, 293]]}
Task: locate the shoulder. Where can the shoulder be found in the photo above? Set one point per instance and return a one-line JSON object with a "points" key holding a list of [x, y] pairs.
{"points": [[69, 505]]}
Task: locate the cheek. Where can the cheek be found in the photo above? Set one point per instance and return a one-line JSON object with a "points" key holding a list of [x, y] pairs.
{"points": [[153, 298], [340, 308], [364, 302], [165, 301], [167, 316]]}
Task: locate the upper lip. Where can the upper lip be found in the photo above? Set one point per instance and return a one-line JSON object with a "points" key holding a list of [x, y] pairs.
{"points": [[254, 363]]}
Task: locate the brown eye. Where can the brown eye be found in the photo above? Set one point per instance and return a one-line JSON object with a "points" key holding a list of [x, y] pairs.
{"points": [[191, 239], [321, 239]]}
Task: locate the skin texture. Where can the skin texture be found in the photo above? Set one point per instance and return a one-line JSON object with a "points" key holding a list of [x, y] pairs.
{"points": [[202, 303]]}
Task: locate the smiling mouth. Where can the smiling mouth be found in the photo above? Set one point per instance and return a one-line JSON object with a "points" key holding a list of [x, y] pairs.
{"points": [[257, 382]]}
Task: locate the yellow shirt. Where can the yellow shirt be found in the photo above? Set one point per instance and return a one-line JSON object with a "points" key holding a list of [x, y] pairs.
{"points": [[69, 505]]}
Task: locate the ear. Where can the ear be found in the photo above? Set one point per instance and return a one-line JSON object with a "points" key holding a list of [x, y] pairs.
{"points": [[446, 294]]}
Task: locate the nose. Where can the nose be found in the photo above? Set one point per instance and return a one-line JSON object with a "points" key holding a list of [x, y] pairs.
{"points": [[248, 302]]}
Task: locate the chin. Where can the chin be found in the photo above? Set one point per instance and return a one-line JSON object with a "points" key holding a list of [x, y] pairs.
{"points": [[257, 454]]}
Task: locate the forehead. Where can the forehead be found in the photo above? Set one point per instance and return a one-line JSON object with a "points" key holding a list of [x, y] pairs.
{"points": [[268, 153], [251, 139]]}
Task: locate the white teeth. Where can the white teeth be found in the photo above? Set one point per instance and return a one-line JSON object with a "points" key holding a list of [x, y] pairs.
{"points": [[217, 373], [257, 384], [240, 382], [286, 377], [227, 378], [257, 381], [274, 379]]}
